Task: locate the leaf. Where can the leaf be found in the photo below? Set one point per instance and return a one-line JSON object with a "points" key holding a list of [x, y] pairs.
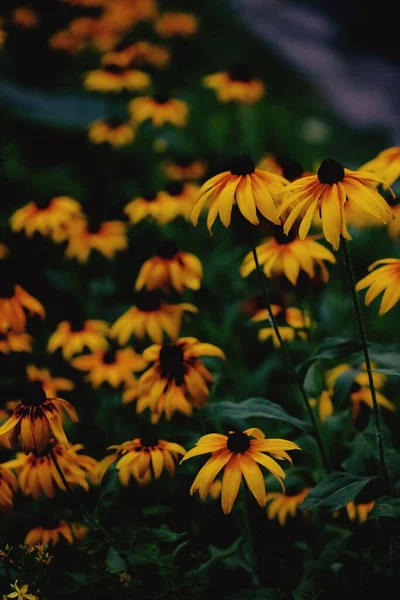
{"points": [[108, 483], [331, 552], [387, 371], [387, 506], [237, 413], [150, 535], [334, 491], [330, 348], [114, 561]]}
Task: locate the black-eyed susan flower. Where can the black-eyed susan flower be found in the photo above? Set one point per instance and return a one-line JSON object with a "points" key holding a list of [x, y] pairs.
{"points": [[177, 380], [385, 278], [386, 166], [15, 302], [172, 24], [238, 455], [238, 84], [21, 592], [184, 167], [151, 316], [170, 267], [280, 505], [324, 405], [288, 255], [78, 334], [150, 204], [283, 165], [180, 199], [67, 41], [114, 78], [360, 511], [48, 217], [14, 341], [25, 17], [139, 54], [36, 419], [124, 14], [53, 535], [292, 323], [112, 131], [326, 193], [8, 485], [113, 367], [107, 238], [159, 109], [51, 385], [38, 475], [361, 378], [243, 185]]}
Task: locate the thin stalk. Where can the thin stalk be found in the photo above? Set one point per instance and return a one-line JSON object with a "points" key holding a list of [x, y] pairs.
{"points": [[288, 358], [364, 343]]}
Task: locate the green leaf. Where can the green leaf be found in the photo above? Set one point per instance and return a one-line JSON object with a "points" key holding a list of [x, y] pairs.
{"points": [[150, 535], [388, 371], [335, 491], [108, 484], [330, 349], [114, 561], [236, 414], [387, 506]]}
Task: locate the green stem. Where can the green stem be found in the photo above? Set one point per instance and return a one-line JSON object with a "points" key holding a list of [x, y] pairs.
{"points": [[288, 358], [364, 343]]}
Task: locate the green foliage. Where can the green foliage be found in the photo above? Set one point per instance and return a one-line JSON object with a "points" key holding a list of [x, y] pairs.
{"points": [[335, 491]]}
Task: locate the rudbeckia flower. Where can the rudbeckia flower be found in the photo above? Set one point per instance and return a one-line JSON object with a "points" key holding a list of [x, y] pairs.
{"points": [[150, 316], [385, 278], [324, 405], [333, 375], [111, 131], [239, 455], [138, 54], [8, 485], [281, 505], [288, 255], [113, 78], [249, 188], [145, 458], [184, 167], [108, 238], [177, 380], [14, 341], [170, 268], [52, 535], [67, 41], [236, 85], [21, 593], [36, 419], [292, 323], [360, 511], [159, 109], [283, 165], [150, 204], [179, 199], [48, 217], [51, 385], [114, 367], [25, 17], [14, 301], [38, 475], [326, 193], [386, 165], [171, 24], [78, 334], [124, 14]]}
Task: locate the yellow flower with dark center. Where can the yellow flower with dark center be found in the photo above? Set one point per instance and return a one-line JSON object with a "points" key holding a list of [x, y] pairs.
{"points": [[385, 278], [145, 458], [288, 255], [14, 301], [150, 204], [180, 199], [37, 474], [111, 131], [292, 323], [52, 536], [48, 217], [122, 15], [386, 165], [36, 419], [283, 165], [239, 455], [14, 341], [281, 505], [114, 367], [245, 186], [138, 54], [8, 485], [177, 380], [236, 85], [333, 375], [25, 17], [113, 78], [159, 109], [21, 593], [326, 193], [76, 335], [150, 316], [51, 385], [66, 41], [108, 238], [324, 404], [171, 24], [170, 268], [184, 167], [3, 250], [360, 511]]}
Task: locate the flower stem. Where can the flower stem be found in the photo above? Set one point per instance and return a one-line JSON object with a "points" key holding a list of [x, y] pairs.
{"points": [[288, 358], [363, 338]]}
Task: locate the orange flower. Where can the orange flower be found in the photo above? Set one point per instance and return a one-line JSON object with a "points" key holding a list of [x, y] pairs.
{"points": [[184, 167], [113, 78], [8, 485], [51, 385], [160, 109], [13, 300], [25, 17], [237, 85], [51, 536], [76, 335], [172, 24], [108, 238], [113, 367], [14, 341]]}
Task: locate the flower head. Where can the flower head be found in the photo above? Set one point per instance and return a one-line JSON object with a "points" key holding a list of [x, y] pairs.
{"points": [[292, 323], [53, 535], [108, 238], [282, 164], [8, 485], [51, 385], [179, 198], [236, 85], [184, 167], [111, 131], [159, 109], [114, 366], [173, 24], [114, 78], [324, 404], [385, 278], [386, 165], [14, 301], [139, 54], [150, 204], [280, 505], [14, 341], [77, 334], [25, 17], [21, 593], [360, 511]]}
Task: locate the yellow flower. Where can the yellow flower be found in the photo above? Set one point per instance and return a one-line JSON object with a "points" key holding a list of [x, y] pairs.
{"points": [[8, 485], [51, 536], [236, 85], [124, 14], [160, 109], [76, 335], [359, 512], [108, 238], [295, 323], [113, 367], [333, 375], [184, 167], [181, 24], [113, 78], [112, 131], [51, 385], [386, 277], [249, 188], [21, 593], [170, 268], [386, 165], [67, 41], [140, 53], [13, 300], [180, 199], [36, 419], [151, 204], [325, 406], [288, 255], [25, 17], [150, 316], [327, 192], [177, 380], [282, 505], [283, 165], [239, 455], [14, 341]]}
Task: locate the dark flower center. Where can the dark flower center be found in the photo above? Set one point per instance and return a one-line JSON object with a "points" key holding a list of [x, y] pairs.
{"points": [[166, 249], [6, 289], [330, 172], [242, 165], [33, 394], [280, 236], [172, 363], [3, 337], [114, 122], [109, 357], [77, 324], [42, 203], [393, 201], [291, 169], [238, 442], [149, 195], [240, 72], [48, 521], [355, 387], [149, 440], [183, 160], [116, 69], [161, 98], [148, 301], [174, 188]]}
